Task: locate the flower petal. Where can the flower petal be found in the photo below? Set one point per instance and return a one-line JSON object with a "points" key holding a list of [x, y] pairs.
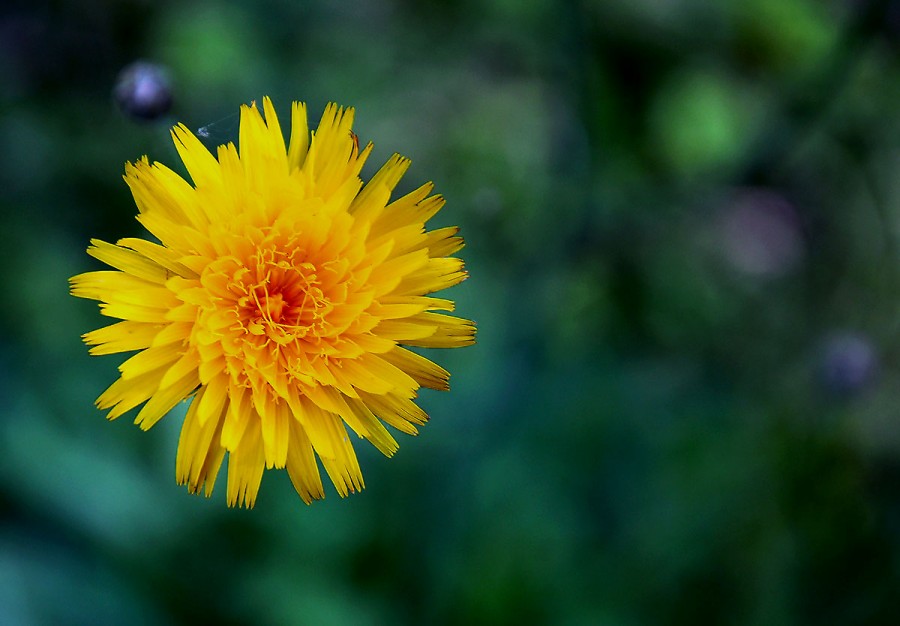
{"points": [[245, 469]]}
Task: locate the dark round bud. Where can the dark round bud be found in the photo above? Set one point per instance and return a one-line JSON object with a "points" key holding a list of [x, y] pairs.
{"points": [[143, 91], [848, 364]]}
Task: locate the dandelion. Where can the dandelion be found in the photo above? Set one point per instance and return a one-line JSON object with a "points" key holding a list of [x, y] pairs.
{"points": [[282, 301]]}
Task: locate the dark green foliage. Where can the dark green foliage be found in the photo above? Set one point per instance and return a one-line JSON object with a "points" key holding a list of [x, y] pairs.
{"points": [[682, 237]]}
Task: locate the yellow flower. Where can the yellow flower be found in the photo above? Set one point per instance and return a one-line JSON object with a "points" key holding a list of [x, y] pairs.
{"points": [[281, 299]]}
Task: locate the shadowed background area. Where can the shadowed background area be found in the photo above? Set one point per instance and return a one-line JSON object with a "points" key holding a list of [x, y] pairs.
{"points": [[682, 228]]}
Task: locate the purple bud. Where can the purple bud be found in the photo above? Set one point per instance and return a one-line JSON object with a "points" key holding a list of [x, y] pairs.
{"points": [[760, 233], [143, 91], [848, 364]]}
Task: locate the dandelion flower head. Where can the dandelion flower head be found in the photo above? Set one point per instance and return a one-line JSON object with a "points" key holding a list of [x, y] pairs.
{"points": [[281, 299]]}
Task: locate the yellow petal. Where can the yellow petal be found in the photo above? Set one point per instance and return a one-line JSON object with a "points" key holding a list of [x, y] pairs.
{"points": [[397, 411], [369, 426], [422, 370], [122, 337], [402, 331], [128, 261], [184, 365], [299, 136], [240, 413], [160, 255], [123, 395], [443, 242], [245, 469], [151, 359], [342, 467], [387, 276], [164, 400], [177, 332], [302, 467], [200, 163], [435, 275], [402, 211], [199, 454], [274, 424], [450, 331], [212, 401]]}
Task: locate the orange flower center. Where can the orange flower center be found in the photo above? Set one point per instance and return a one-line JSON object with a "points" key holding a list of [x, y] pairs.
{"points": [[279, 299], [284, 304], [275, 296]]}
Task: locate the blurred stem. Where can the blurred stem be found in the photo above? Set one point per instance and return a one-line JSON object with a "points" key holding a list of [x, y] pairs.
{"points": [[890, 267]]}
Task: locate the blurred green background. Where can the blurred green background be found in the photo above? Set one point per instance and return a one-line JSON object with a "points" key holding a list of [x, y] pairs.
{"points": [[682, 224]]}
